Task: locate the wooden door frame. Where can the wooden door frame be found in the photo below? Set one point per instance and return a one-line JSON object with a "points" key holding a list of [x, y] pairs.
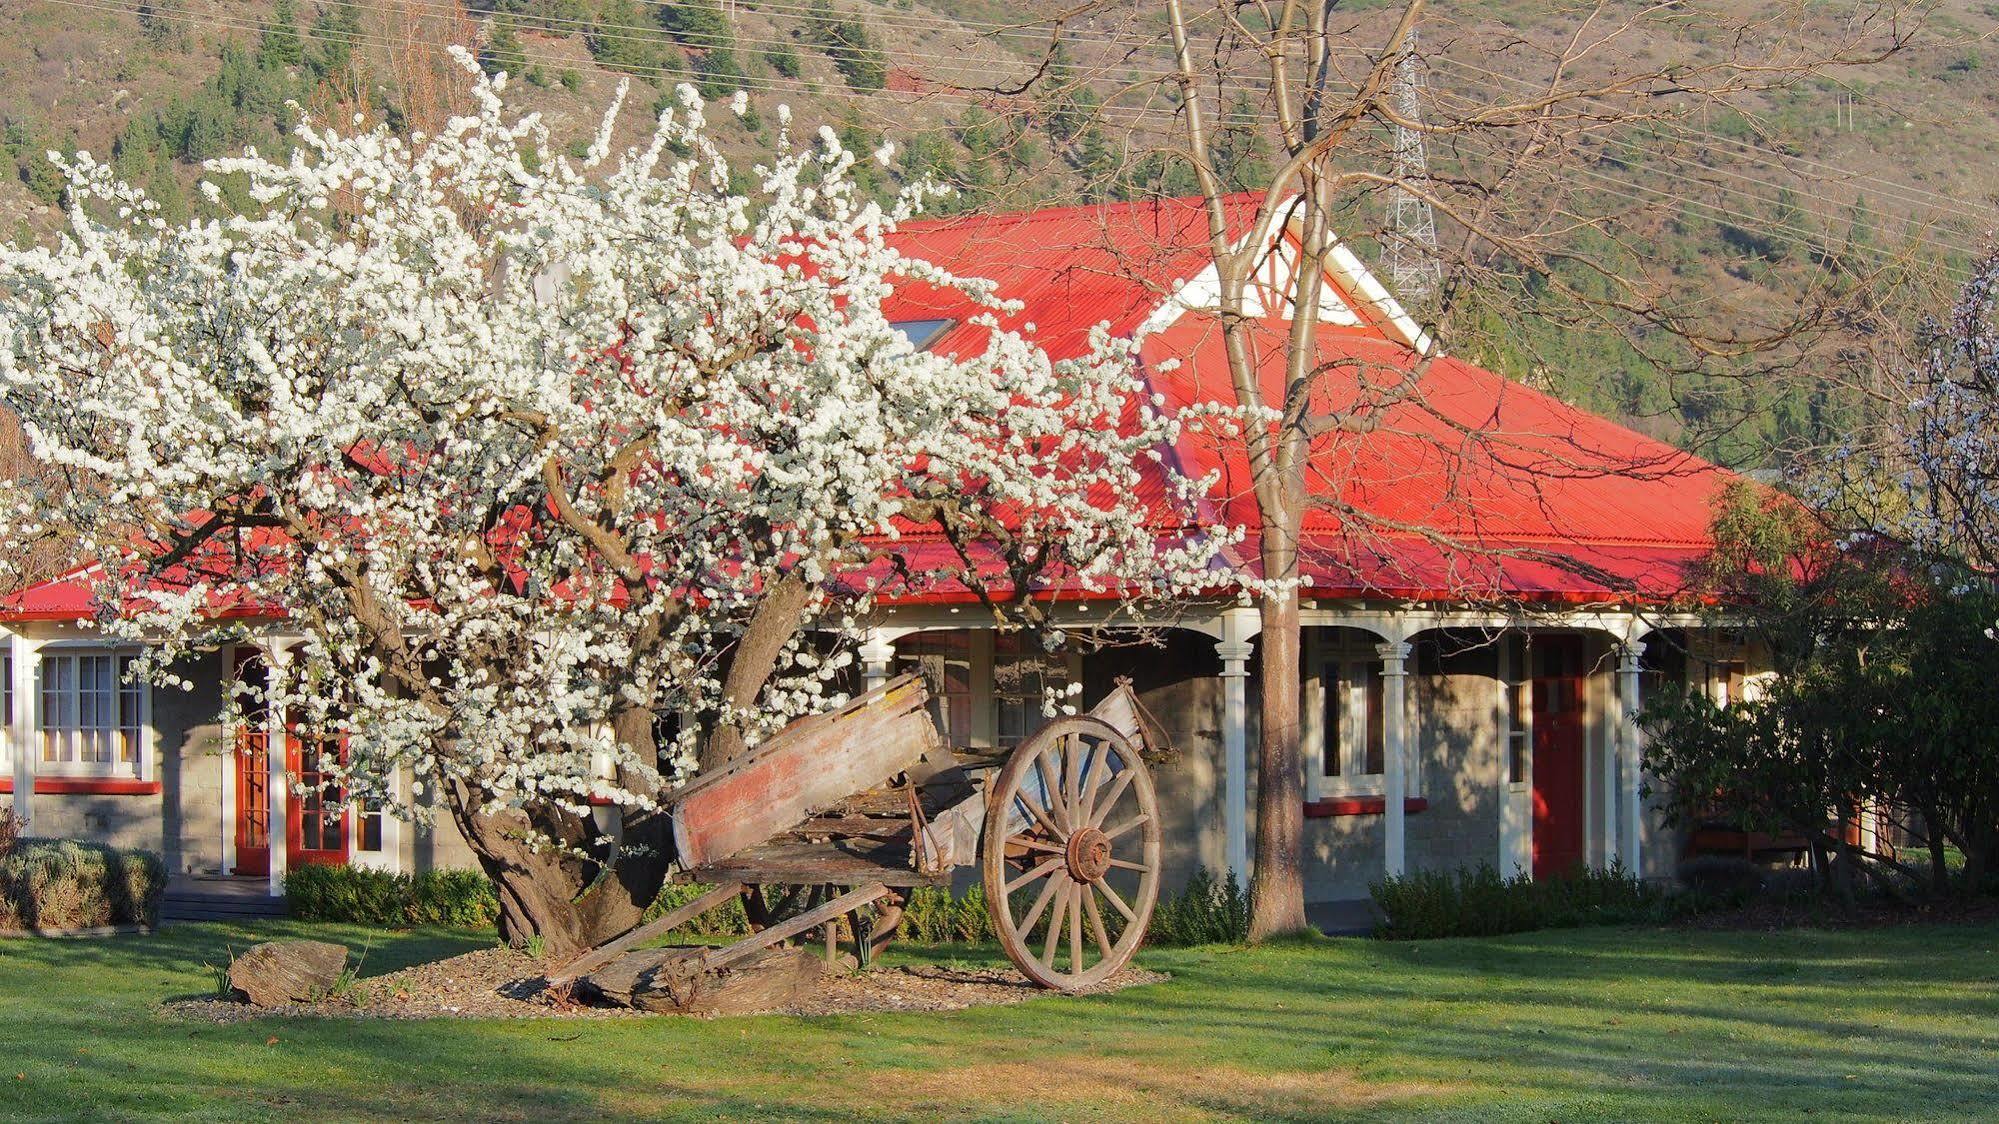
{"points": [[246, 733], [295, 850]]}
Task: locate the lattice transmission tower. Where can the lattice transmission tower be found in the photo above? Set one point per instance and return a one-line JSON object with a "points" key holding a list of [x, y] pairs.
{"points": [[1414, 269]]}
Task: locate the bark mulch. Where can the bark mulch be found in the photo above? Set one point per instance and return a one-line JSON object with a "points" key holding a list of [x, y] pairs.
{"points": [[507, 983]]}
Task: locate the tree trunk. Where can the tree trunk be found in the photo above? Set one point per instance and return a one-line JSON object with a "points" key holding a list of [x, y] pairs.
{"points": [[573, 904], [771, 627], [1277, 888]]}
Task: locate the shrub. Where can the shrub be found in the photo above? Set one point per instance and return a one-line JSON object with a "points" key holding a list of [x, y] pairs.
{"points": [[727, 921], [361, 896], [1479, 903], [70, 884], [1207, 910], [10, 831]]}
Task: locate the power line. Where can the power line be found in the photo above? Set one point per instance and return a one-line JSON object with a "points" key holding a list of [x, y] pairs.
{"points": [[1133, 115]]}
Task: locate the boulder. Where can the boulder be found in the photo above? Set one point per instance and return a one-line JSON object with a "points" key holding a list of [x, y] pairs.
{"points": [[280, 972]]}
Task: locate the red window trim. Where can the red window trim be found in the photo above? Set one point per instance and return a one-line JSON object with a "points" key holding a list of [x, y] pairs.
{"points": [[1360, 806], [86, 786]]}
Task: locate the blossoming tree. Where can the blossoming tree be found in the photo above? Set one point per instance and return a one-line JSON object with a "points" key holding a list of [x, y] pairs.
{"points": [[531, 454]]}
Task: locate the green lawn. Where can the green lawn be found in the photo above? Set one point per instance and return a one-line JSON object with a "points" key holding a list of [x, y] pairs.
{"points": [[1612, 1023]]}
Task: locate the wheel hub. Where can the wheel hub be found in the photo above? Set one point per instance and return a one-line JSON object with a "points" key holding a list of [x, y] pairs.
{"points": [[1089, 854]]}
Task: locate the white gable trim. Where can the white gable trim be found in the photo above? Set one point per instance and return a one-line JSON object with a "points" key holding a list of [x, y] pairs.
{"points": [[1343, 267]]}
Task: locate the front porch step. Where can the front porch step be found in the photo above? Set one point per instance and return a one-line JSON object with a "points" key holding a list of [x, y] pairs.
{"points": [[218, 899]]}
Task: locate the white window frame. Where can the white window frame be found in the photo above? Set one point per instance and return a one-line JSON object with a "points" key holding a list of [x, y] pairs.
{"points": [[1516, 711], [139, 769], [6, 705], [1351, 658]]}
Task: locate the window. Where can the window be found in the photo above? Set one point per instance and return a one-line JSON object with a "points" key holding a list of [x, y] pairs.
{"points": [[1729, 679], [1351, 727], [92, 721], [944, 659], [921, 333], [1023, 674], [1519, 711], [6, 704], [368, 826]]}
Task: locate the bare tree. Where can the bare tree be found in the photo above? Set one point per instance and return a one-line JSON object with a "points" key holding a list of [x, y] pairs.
{"points": [[1308, 109]]}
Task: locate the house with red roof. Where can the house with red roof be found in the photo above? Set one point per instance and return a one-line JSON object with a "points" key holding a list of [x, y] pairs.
{"points": [[1493, 581]]}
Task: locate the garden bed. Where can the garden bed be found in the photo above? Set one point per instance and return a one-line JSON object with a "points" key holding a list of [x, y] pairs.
{"points": [[507, 983]]}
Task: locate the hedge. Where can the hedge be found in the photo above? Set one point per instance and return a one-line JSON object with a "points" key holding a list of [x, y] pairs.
{"points": [[1207, 911], [1482, 903], [71, 884], [361, 896]]}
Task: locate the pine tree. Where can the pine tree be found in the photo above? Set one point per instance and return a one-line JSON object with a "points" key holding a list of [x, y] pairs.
{"points": [[281, 45]]}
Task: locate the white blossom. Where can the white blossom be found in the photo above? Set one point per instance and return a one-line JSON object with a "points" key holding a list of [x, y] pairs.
{"points": [[517, 443]]}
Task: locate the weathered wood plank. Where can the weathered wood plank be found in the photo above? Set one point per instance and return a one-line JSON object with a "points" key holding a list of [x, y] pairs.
{"points": [[785, 860], [1129, 717], [675, 980], [808, 766], [665, 923], [851, 827], [785, 930]]}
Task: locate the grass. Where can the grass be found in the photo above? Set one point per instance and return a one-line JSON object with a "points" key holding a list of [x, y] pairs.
{"points": [[1898, 1023]]}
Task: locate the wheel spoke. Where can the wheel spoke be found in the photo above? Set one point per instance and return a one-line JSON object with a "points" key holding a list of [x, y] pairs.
{"points": [[1076, 928], [1097, 921], [1049, 790], [1124, 864], [1114, 832], [1099, 763], [1040, 816], [1072, 776], [1034, 844], [1046, 868], [1105, 886], [1111, 798], [1040, 903], [1055, 918]]}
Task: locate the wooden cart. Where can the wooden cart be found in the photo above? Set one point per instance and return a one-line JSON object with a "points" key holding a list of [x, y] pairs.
{"points": [[848, 810]]}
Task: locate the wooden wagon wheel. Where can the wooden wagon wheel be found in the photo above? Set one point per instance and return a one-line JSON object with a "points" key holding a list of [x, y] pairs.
{"points": [[1071, 844]]}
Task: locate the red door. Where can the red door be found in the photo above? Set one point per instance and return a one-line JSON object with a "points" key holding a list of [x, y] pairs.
{"points": [[1558, 755], [316, 821], [253, 776]]}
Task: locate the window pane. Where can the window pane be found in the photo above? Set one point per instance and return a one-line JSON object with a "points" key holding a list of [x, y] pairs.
{"points": [[944, 659], [1333, 748], [1022, 675], [1376, 732]]}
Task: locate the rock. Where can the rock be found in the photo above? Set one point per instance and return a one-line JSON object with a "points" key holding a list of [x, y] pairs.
{"points": [[671, 980], [280, 972]]}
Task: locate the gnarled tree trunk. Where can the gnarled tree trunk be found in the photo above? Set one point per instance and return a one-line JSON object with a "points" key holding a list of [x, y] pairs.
{"points": [[572, 903]]}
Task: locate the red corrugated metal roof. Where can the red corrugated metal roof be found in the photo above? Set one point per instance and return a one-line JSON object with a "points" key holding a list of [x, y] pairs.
{"points": [[1459, 481], [1475, 485]]}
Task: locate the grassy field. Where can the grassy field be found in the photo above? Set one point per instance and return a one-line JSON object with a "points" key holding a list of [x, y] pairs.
{"points": [[1896, 1023]]}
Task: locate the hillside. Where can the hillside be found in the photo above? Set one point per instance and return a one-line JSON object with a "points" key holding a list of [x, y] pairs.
{"points": [[1879, 164]]}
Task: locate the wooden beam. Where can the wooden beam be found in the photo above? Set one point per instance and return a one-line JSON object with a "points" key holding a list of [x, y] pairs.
{"points": [[665, 923], [785, 930], [804, 769]]}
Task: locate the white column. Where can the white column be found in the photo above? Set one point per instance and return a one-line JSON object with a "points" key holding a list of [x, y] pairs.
{"points": [[275, 657], [1395, 753], [1238, 627], [1631, 812], [21, 732], [877, 654]]}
